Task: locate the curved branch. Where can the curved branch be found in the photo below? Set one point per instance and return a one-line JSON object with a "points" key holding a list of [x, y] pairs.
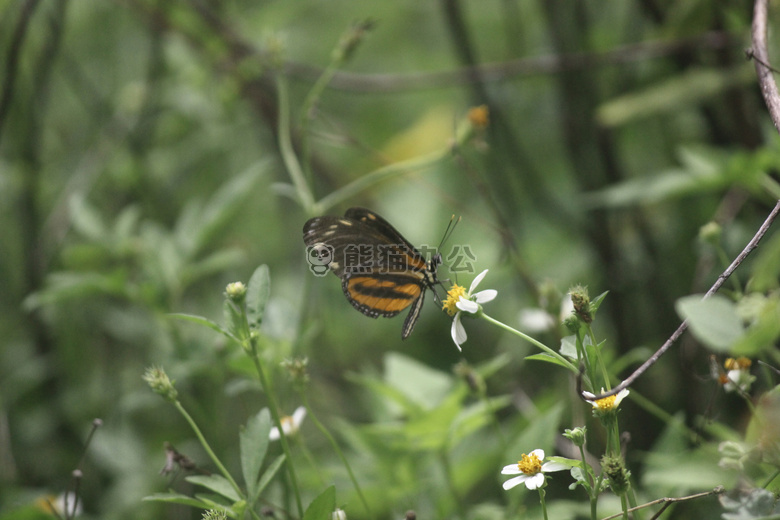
{"points": [[759, 51]]}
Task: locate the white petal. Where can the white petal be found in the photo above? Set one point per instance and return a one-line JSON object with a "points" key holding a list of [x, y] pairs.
{"points": [[538, 452], [273, 435], [485, 296], [553, 466], [467, 305], [620, 396], [297, 417], [511, 469], [588, 396], [512, 482], [477, 280], [535, 481], [458, 332]]}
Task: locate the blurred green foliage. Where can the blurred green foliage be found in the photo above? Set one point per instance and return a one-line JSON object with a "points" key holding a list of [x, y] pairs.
{"points": [[146, 162]]}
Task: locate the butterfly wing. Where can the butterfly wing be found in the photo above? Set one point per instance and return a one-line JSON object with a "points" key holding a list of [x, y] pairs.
{"points": [[381, 272]]}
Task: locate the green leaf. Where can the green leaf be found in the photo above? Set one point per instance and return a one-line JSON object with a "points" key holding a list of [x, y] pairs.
{"points": [[72, 285], [268, 475], [713, 321], [763, 331], [216, 483], [596, 302], [322, 507], [253, 442], [670, 95], [568, 347], [200, 223], [549, 359], [420, 383], [257, 294], [176, 498], [205, 322], [85, 219]]}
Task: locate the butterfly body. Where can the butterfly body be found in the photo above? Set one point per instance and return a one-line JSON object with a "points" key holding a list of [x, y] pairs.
{"points": [[381, 272]]}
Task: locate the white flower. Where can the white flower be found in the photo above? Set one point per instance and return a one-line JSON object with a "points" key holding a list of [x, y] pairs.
{"points": [[56, 505], [531, 470], [338, 514], [458, 298], [290, 425], [607, 404]]}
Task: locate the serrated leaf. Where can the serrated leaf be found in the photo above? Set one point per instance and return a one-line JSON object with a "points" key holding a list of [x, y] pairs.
{"points": [[714, 321], [253, 441], [217, 484], [257, 294], [203, 321], [322, 507]]}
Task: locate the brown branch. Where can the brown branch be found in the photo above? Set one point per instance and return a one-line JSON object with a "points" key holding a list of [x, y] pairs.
{"points": [[759, 51], [494, 72], [667, 501]]}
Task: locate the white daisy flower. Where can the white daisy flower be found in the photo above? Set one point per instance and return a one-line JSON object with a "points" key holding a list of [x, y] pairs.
{"points": [[290, 425], [531, 470], [459, 301]]}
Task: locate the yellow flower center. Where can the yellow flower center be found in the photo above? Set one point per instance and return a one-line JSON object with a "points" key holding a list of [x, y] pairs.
{"points": [[606, 404], [453, 297], [529, 464], [741, 363]]}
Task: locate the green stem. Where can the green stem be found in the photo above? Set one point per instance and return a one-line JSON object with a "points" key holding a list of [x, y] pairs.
{"points": [[624, 505], [338, 451], [531, 340], [306, 114], [541, 500], [445, 460], [278, 422], [286, 149], [208, 449], [769, 481]]}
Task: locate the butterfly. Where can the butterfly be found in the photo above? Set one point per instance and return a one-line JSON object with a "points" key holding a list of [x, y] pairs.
{"points": [[381, 272]]}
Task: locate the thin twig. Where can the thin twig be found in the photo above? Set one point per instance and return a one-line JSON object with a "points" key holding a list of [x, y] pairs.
{"points": [[525, 67], [684, 325], [764, 72], [670, 500]]}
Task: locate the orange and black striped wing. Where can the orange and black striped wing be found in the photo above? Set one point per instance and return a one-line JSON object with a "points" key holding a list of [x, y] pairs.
{"points": [[382, 294], [387, 294]]}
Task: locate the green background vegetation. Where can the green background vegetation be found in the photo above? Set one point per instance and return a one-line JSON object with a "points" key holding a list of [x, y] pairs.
{"points": [[140, 173]]}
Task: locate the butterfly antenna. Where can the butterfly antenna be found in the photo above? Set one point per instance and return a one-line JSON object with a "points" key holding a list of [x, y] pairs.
{"points": [[449, 230]]}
